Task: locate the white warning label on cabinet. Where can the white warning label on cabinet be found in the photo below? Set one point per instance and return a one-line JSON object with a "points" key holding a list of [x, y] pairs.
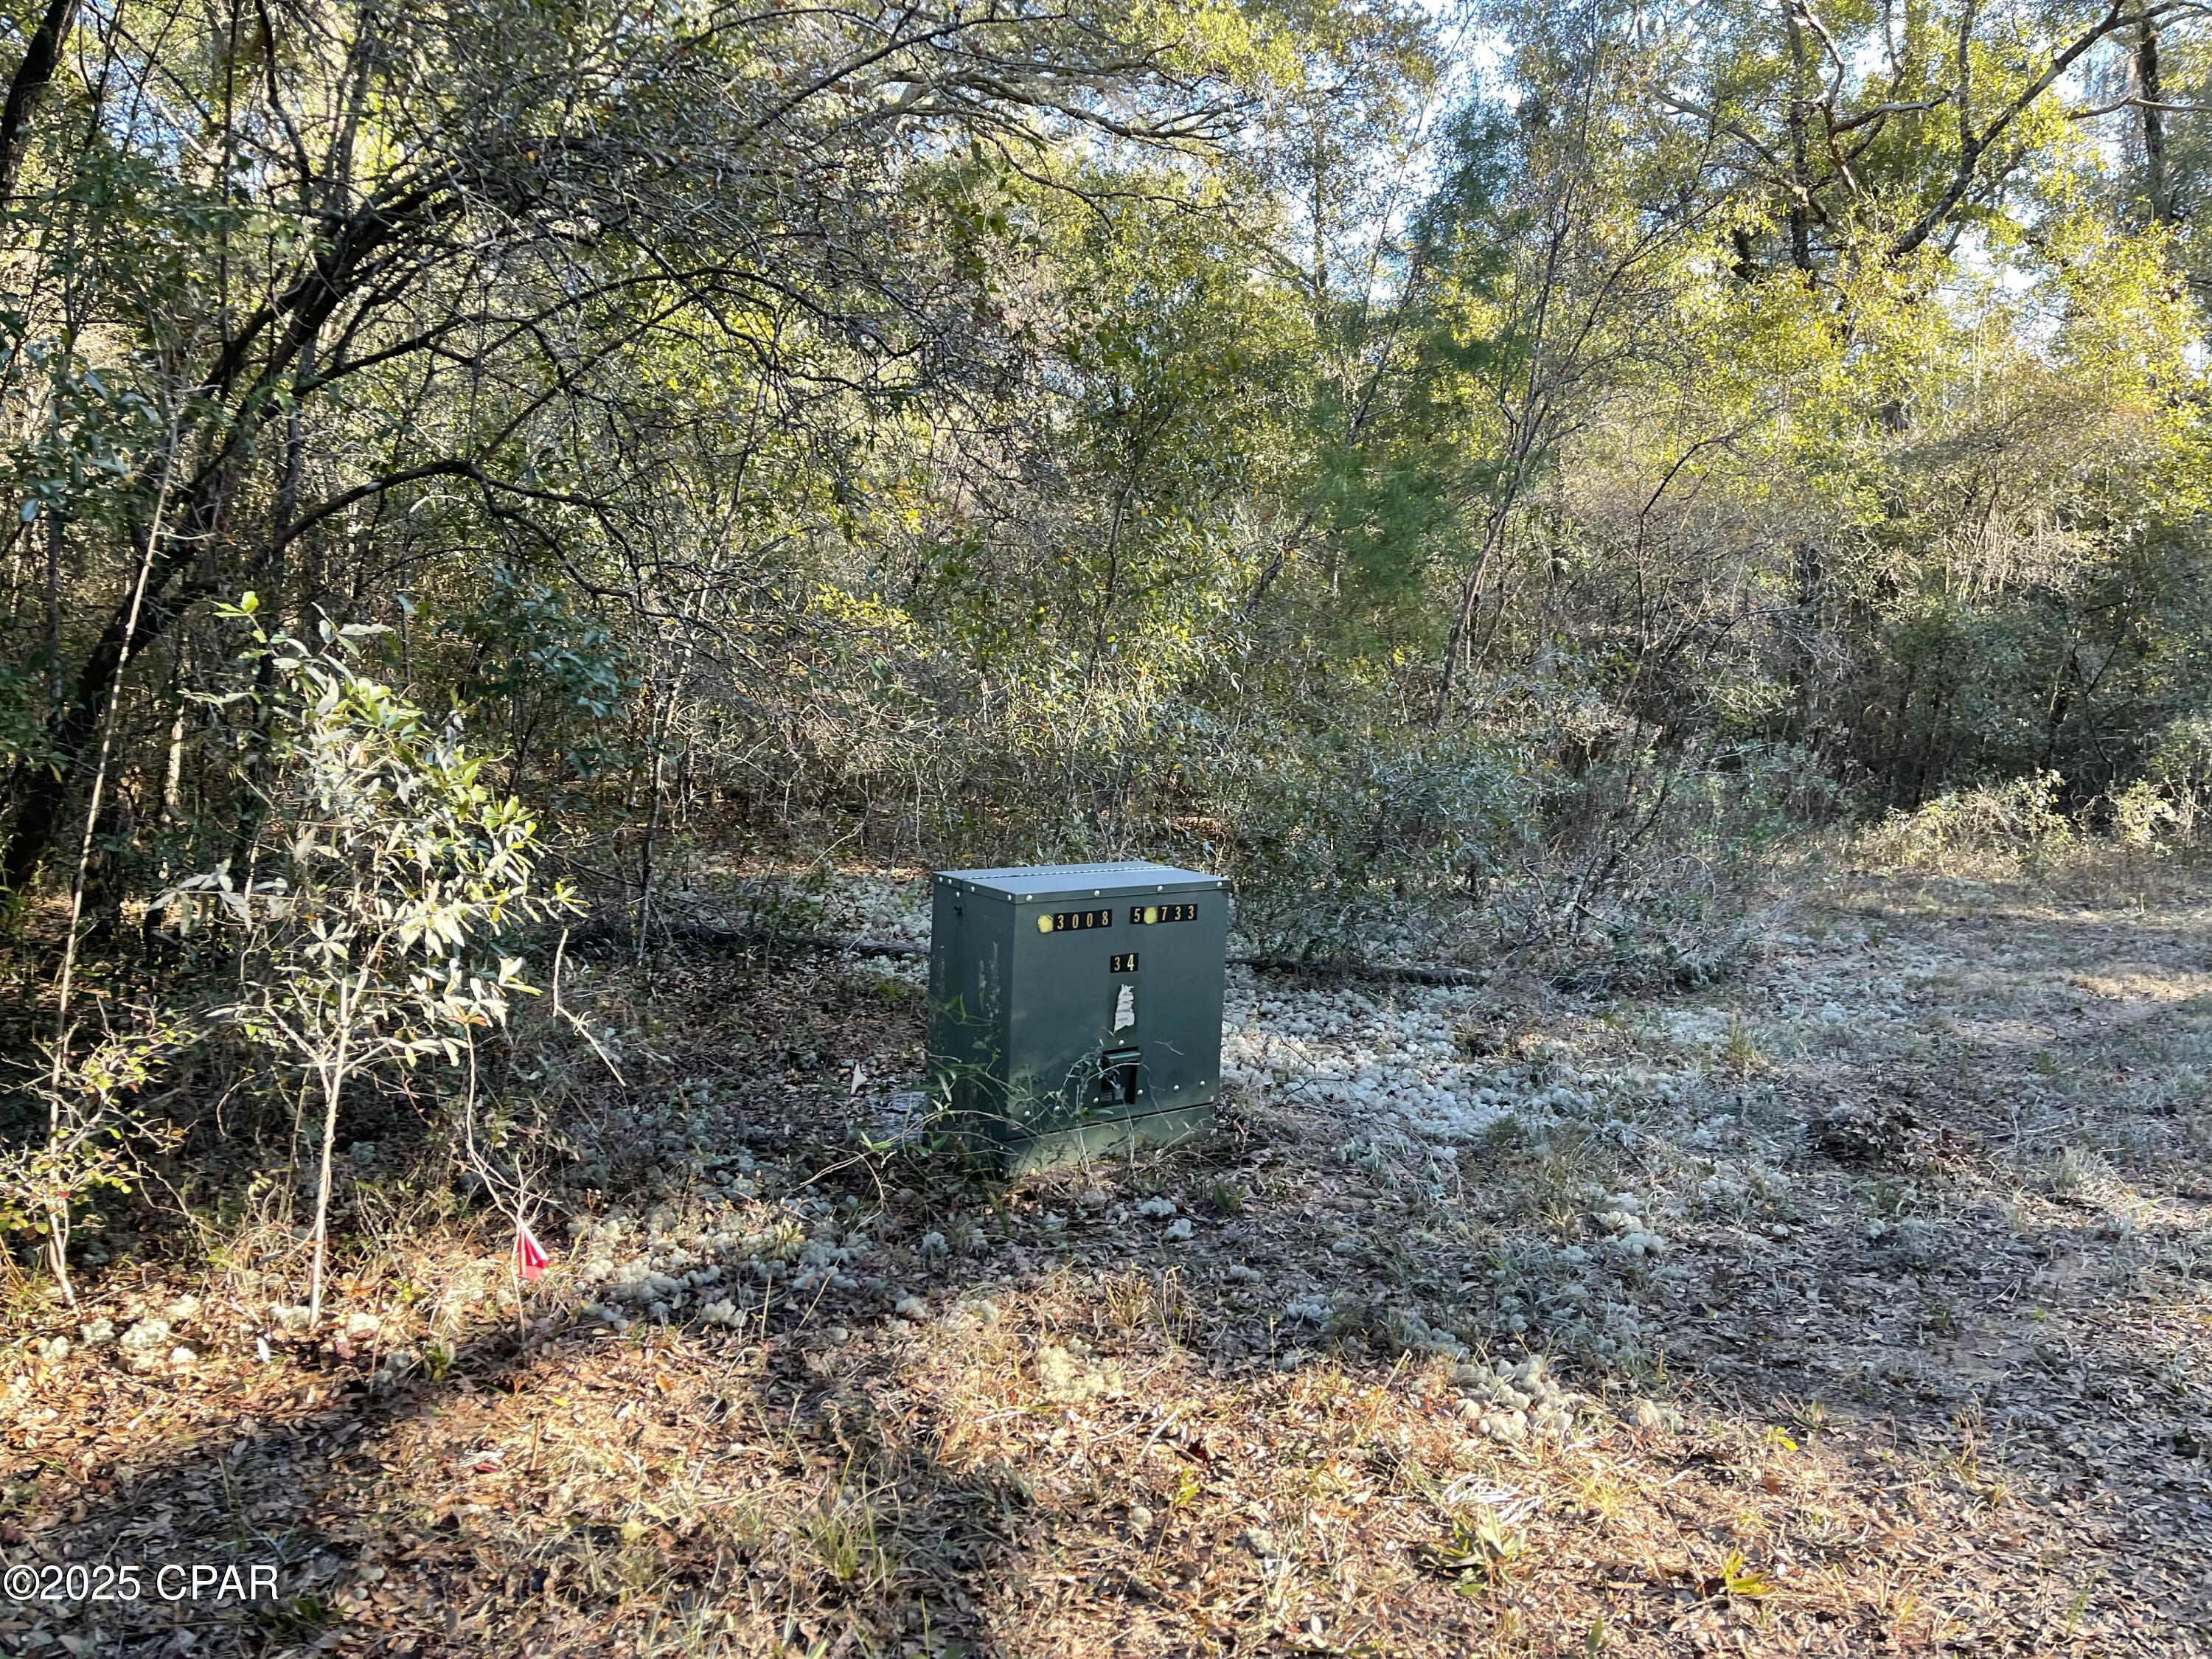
{"points": [[1125, 1008]]}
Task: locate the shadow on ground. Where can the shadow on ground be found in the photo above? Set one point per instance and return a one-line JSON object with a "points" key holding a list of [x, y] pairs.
{"points": [[1950, 1394]]}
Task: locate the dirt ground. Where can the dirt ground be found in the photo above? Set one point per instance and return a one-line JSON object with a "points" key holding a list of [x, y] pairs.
{"points": [[1873, 1295]]}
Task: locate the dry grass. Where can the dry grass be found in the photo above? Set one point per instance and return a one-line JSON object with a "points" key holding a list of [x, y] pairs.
{"points": [[1955, 1395]]}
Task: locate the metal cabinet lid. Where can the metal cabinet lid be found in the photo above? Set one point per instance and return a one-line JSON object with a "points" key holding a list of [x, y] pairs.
{"points": [[1071, 881]]}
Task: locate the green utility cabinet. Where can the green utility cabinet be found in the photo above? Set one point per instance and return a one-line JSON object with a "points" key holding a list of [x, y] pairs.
{"points": [[1075, 1009]]}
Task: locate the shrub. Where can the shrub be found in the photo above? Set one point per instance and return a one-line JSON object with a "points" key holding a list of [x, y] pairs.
{"points": [[373, 938], [2021, 821], [1339, 835]]}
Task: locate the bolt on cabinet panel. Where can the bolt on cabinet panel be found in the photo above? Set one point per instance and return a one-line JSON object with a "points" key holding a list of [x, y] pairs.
{"points": [[1076, 1009]]}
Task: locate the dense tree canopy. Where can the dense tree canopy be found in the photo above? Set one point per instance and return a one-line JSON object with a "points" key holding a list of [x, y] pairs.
{"points": [[1012, 423]]}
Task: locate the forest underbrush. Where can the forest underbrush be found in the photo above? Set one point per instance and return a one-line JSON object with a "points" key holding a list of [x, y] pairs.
{"points": [[1663, 553], [1856, 1302]]}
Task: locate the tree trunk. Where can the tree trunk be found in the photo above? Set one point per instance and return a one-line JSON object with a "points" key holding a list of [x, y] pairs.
{"points": [[332, 1087], [333, 1076], [28, 87], [2151, 96], [1801, 175]]}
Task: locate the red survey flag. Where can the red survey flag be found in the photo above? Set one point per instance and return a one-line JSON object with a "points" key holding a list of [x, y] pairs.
{"points": [[530, 1257]]}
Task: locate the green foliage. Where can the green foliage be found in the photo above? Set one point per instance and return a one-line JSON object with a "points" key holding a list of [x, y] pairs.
{"points": [[563, 677], [2022, 819], [99, 1130], [23, 739], [374, 933], [1512, 495], [373, 929]]}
